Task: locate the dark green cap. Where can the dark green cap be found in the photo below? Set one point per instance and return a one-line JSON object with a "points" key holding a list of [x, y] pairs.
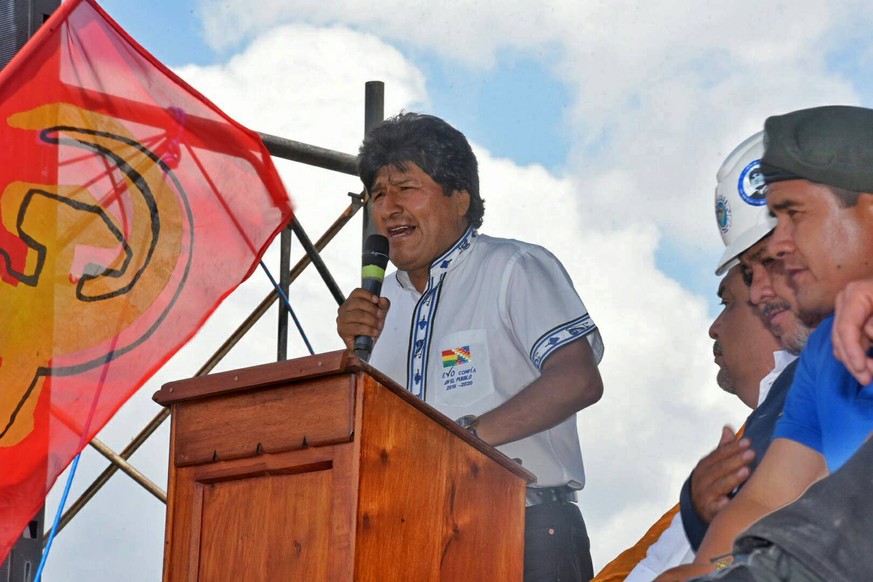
{"points": [[831, 145]]}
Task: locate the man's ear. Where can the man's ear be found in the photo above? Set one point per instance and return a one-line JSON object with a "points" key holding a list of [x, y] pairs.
{"points": [[462, 201]]}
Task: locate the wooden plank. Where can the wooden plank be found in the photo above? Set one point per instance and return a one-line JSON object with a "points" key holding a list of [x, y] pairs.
{"points": [[429, 503], [255, 422], [472, 518], [183, 532], [344, 512], [250, 516], [301, 461], [195, 532], [172, 505], [344, 503], [275, 527], [287, 372]]}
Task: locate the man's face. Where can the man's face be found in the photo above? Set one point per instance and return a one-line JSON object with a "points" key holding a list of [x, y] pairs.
{"points": [[822, 244], [770, 293], [743, 345], [420, 221]]}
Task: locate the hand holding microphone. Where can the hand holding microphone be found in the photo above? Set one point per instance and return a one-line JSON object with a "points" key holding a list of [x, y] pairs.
{"points": [[360, 318]]}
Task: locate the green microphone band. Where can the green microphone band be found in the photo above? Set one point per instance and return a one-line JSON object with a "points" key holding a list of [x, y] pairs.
{"points": [[373, 272]]}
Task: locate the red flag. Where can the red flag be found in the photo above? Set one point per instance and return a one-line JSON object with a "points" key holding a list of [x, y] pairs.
{"points": [[130, 206]]}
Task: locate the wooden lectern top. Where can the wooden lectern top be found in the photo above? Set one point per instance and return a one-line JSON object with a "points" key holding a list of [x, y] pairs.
{"points": [[309, 368]]}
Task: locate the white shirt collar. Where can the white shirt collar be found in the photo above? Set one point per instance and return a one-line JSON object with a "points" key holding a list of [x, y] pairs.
{"points": [[781, 359]]}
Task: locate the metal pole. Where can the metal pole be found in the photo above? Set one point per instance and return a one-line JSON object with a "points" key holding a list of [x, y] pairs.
{"points": [[374, 114], [285, 286], [318, 262], [310, 155], [132, 472]]}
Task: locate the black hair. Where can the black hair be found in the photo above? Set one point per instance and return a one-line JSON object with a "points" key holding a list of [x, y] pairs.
{"points": [[846, 198], [440, 150]]}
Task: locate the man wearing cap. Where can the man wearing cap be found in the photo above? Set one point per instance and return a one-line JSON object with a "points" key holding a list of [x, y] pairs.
{"points": [[488, 331], [819, 169]]}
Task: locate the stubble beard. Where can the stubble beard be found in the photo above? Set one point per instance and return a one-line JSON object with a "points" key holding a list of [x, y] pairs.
{"points": [[797, 341], [725, 381]]}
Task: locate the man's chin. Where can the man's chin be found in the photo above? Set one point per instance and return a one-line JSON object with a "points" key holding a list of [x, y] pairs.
{"points": [[812, 320], [813, 310], [812, 317], [725, 382]]}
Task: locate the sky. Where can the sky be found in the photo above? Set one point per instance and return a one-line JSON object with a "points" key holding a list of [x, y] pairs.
{"points": [[599, 128]]}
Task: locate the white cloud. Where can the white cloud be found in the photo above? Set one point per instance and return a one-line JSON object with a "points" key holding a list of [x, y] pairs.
{"points": [[662, 91], [308, 83]]}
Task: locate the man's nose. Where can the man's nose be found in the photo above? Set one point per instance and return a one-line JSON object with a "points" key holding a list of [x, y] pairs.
{"points": [[761, 287], [714, 328], [782, 241]]}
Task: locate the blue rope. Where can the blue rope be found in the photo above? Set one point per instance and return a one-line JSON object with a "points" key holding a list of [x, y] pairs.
{"points": [[57, 521], [290, 309]]}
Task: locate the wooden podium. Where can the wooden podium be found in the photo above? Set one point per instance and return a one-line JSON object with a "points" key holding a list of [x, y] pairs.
{"points": [[320, 468]]}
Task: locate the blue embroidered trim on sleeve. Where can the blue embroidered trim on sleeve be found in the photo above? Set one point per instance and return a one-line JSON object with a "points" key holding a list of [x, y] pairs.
{"points": [[558, 337]]}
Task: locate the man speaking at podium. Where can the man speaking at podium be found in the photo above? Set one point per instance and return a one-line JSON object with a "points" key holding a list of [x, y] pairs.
{"points": [[486, 330]]}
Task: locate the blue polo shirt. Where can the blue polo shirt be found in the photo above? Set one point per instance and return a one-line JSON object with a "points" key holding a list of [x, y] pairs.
{"points": [[827, 409]]}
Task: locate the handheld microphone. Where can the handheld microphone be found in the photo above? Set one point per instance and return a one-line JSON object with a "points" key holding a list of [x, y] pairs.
{"points": [[374, 259]]}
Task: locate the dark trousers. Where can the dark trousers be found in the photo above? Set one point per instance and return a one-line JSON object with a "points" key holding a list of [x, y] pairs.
{"points": [[556, 546]]}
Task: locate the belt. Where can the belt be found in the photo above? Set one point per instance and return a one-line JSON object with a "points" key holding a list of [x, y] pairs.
{"points": [[538, 495]]}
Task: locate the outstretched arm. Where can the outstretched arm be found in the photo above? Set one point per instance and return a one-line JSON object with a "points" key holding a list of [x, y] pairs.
{"points": [[570, 381]]}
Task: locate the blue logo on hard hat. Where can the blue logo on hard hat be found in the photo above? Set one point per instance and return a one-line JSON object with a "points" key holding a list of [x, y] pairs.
{"points": [[751, 185], [723, 214]]}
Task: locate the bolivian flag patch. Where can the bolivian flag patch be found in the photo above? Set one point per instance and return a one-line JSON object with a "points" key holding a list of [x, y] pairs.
{"points": [[456, 357]]}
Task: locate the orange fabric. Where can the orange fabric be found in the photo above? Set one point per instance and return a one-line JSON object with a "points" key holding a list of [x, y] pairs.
{"points": [[130, 206], [619, 568]]}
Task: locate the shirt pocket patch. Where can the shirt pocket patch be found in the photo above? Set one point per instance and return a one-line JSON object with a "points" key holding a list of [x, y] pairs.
{"points": [[463, 371]]}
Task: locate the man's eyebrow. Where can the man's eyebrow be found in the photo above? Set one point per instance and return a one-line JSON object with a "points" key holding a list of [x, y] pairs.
{"points": [[399, 181], [782, 205], [754, 257], [720, 291], [402, 181]]}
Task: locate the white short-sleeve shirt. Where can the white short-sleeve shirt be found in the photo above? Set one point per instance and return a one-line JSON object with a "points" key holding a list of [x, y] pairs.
{"points": [[494, 310]]}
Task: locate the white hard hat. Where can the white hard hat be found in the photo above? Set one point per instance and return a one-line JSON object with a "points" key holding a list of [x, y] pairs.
{"points": [[741, 202]]}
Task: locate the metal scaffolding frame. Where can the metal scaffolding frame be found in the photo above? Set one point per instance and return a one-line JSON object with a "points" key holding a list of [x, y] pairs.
{"points": [[374, 112]]}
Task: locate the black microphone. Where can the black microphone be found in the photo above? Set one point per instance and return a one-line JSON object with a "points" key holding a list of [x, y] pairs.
{"points": [[374, 259]]}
